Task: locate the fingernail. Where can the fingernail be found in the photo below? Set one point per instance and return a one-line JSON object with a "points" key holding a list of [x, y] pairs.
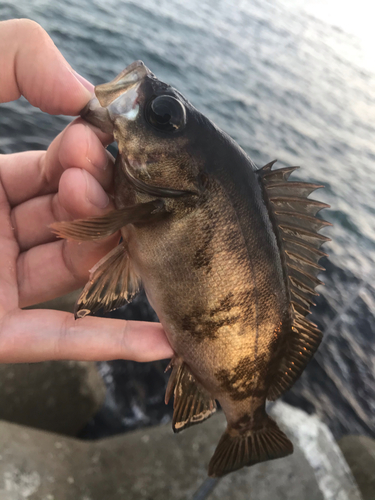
{"points": [[89, 86], [95, 194]]}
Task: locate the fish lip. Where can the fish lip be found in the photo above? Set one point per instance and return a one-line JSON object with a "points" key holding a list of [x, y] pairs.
{"points": [[134, 73], [125, 105], [98, 116], [117, 98], [120, 96]]}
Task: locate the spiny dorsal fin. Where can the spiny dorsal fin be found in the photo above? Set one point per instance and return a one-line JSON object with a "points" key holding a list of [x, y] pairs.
{"points": [[294, 216], [112, 284], [192, 403]]}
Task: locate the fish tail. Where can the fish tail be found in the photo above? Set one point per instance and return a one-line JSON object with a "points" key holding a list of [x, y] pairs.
{"points": [[237, 449]]}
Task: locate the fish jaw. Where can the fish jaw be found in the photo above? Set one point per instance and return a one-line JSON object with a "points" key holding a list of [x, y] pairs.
{"points": [[151, 122], [98, 116], [116, 98], [130, 77]]}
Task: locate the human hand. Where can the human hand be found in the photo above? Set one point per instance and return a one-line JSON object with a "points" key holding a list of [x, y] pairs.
{"points": [[37, 188]]}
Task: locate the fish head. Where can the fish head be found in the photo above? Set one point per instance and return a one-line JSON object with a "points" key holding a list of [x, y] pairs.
{"points": [[153, 124]]}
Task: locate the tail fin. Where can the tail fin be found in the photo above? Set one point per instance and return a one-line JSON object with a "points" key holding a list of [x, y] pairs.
{"points": [[235, 450]]}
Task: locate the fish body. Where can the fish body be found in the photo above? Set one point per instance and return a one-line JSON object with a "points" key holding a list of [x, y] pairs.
{"points": [[227, 254]]}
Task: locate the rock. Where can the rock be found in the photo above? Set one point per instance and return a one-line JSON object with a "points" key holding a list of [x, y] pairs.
{"points": [[38, 465], [155, 464], [320, 449], [58, 396], [359, 452]]}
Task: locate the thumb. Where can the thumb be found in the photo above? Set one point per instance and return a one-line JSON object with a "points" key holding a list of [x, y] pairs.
{"points": [[32, 66]]}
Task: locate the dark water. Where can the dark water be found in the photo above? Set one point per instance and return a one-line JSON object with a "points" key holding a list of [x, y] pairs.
{"points": [[286, 79]]}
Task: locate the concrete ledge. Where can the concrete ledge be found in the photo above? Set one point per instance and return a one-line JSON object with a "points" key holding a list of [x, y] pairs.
{"points": [[156, 464], [320, 449], [58, 396], [359, 452]]}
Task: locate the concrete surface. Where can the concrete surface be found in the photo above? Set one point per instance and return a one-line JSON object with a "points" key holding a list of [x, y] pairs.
{"points": [[359, 452], [58, 396], [321, 451], [155, 464]]}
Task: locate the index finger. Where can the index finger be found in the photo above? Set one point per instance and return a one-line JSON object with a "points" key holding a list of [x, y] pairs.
{"points": [[35, 173], [32, 66]]}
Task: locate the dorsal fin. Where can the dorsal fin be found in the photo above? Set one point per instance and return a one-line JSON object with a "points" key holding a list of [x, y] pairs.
{"points": [[294, 218]]}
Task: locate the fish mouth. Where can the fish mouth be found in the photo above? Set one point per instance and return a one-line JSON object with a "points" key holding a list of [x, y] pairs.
{"points": [[126, 105], [116, 98], [130, 77]]}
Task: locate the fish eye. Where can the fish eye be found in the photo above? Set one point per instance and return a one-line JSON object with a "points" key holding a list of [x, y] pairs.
{"points": [[166, 113]]}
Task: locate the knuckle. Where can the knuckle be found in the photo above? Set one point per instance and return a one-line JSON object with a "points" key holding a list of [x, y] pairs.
{"points": [[125, 350], [32, 31], [34, 28], [69, 264]]}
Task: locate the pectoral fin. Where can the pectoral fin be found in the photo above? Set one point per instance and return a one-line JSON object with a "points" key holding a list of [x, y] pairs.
{"points": [[95, 228], [113, 282], [192, 403]]}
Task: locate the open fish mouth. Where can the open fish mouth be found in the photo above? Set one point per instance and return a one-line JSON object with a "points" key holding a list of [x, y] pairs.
{"points": [[120, 96], [127, 79], [116, 98]]}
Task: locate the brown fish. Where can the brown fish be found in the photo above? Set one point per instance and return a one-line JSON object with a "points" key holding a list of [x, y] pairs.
{"points": [[227, 254]]}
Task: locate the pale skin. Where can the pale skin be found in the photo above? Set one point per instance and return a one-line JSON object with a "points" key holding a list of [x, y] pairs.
{"points": [[68, 181]]}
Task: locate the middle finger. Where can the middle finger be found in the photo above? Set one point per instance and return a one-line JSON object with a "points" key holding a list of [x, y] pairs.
{"points": [[80, 196], [27, 175]]}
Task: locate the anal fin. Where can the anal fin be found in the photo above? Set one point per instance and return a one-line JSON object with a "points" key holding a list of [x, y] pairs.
{"points": [[192, 403], [112, 284]]}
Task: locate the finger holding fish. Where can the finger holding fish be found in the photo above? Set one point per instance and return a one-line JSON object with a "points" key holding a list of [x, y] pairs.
{"points": [[70, 261], [83, 146], [37, 173], [79, 194], [67, 181], [33, 66], [52, 335]]}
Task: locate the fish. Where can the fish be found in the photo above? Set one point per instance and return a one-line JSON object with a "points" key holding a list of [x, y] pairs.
{"points": [[226, 252]]}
